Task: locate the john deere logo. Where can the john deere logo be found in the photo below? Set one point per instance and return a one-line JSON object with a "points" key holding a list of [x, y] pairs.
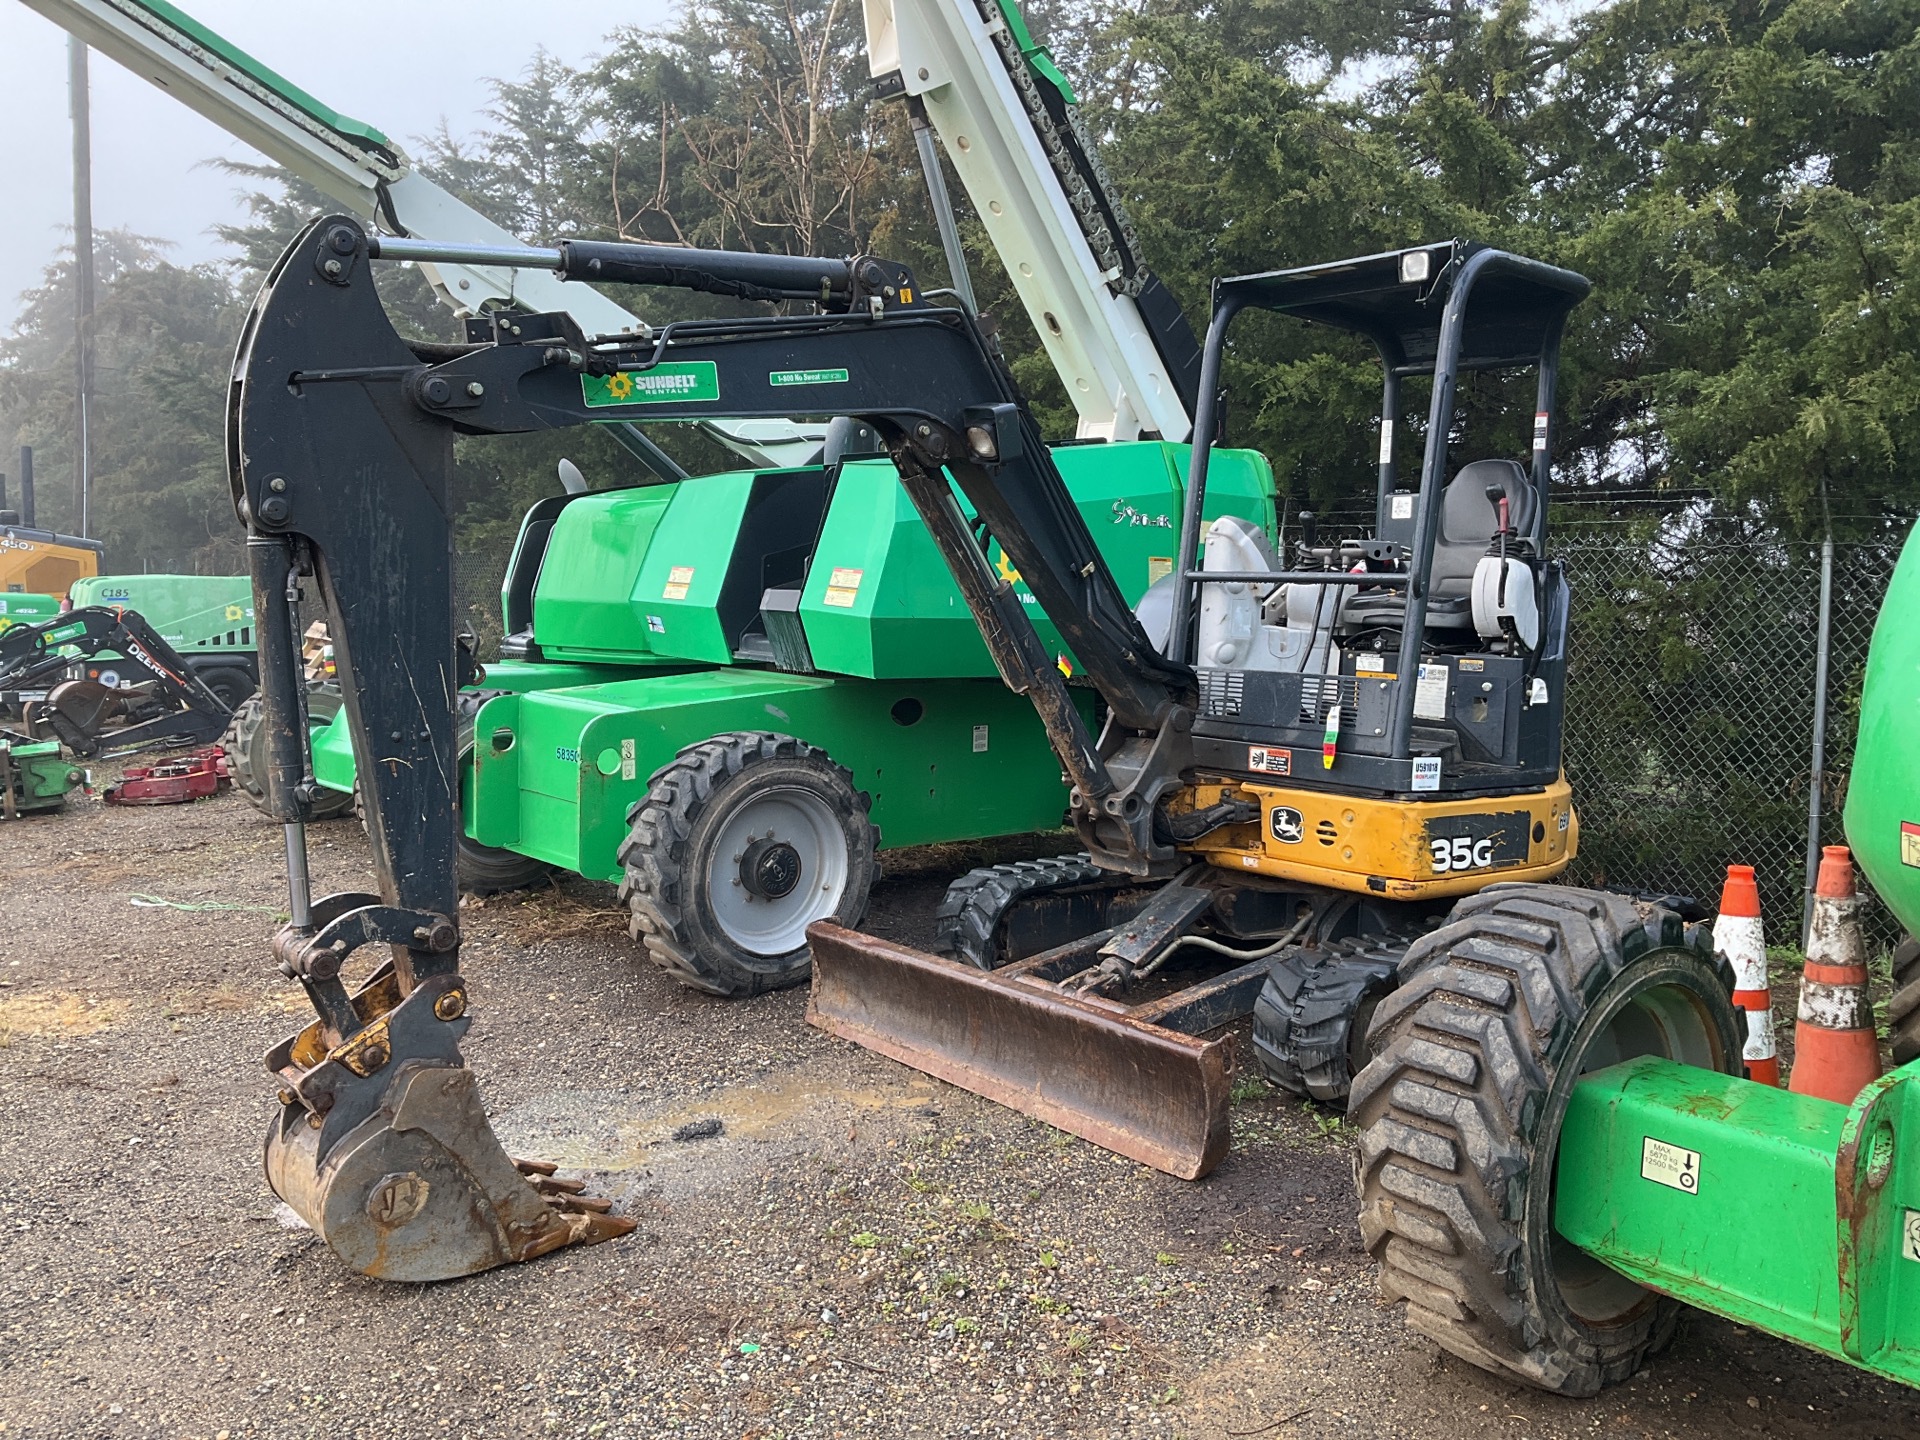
{"points": [[1288, 824], [682, 380]]}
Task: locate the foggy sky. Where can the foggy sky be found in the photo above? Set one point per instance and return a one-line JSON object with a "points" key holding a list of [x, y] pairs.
{"points": [[399, 65]]}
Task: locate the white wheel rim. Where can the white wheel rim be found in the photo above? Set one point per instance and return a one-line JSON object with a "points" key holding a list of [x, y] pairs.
{"points": [[787, 816]]}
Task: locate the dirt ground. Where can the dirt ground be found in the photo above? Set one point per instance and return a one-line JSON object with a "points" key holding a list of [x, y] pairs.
{"points": [[860, 1252]]}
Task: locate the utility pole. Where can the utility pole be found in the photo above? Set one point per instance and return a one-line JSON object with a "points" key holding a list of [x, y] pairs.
{"points": [[82, 283]]}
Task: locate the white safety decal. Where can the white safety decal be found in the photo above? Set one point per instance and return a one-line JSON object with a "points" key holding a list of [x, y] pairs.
{"points": [[1670, 1165], [1430, 694], [1269, 762]]}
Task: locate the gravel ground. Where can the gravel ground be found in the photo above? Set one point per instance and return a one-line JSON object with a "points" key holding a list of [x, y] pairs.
{"points": [[861, 1251]]}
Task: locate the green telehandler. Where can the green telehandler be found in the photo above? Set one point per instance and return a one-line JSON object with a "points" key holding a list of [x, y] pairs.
{"points": [[1518, 1172]]}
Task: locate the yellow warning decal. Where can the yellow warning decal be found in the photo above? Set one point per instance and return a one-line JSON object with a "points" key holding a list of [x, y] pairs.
{"points": [[843, 587], [679, 579], [1909, 843]]}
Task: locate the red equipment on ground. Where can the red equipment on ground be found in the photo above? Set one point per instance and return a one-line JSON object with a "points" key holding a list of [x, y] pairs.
{"points": [[191, 777]]}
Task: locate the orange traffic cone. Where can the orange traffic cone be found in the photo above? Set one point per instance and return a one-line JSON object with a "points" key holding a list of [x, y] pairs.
{"points": [[1738, 940], [1835, 1053]]}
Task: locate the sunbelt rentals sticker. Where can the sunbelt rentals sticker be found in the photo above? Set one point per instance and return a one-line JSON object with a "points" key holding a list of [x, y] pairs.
{"points": [[671, 380]]}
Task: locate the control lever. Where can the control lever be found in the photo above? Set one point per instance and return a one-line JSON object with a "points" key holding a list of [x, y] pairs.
{"points": [[1497, 494]]}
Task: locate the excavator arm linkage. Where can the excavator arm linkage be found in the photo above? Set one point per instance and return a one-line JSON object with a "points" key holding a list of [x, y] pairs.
{"points": [[340, 445]]}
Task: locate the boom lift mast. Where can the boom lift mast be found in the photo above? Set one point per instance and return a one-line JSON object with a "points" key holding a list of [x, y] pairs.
{"points": [[1115, 334], [362, 169]]}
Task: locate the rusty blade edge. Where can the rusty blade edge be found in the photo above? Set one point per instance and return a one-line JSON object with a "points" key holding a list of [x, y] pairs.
{"points": [[1195, 1137]]}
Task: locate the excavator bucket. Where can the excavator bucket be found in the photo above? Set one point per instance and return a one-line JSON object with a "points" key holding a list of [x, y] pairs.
{"points": [[394, 1164], [1087, 1065]]}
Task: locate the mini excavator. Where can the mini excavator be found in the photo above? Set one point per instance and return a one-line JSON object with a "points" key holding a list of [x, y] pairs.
{"points": [[1290, 759], [1303, 766]]}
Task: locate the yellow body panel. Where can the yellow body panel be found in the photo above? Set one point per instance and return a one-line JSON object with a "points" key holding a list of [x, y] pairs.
{"points": [[40, 567], [1400, 849]]}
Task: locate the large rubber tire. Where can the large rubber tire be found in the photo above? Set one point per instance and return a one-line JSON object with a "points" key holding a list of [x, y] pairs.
{"points": [[1310, 1022], [970, 924], [491, 870], [245, 744], [691, 896], [1903, 1010], [231, 684], [238, 743], [1498, 1014]]}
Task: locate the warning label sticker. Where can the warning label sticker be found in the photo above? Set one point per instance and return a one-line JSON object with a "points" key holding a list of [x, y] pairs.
{"points": [[1430, 694], [678, 579], [1670, 1165], [1910, 843], [1910, 1236], [1269, 762], [843, 587]]}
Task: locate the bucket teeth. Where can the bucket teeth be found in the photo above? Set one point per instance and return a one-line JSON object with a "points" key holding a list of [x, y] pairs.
{"points": [[396, 1167]]}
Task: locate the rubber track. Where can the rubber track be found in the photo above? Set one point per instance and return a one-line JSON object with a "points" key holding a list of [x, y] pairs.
{"points": [[1465, 1052], [967, 924], [1303, 1018], [662, 823], [1903, 1010]]}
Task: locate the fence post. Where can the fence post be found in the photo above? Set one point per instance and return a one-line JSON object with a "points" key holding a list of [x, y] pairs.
{"points": [[1817, 786]]}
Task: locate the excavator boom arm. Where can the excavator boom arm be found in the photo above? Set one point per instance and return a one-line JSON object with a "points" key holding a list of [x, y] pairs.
{"points": [[340, 453]]}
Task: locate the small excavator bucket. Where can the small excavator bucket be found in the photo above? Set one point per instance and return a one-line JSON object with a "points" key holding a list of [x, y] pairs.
{"points": [[1087, 1065], [394, 1164]]}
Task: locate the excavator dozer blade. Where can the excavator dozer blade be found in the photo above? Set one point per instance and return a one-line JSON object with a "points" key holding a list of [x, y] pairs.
{"points": [[1083, 1065], [398, 1170]]}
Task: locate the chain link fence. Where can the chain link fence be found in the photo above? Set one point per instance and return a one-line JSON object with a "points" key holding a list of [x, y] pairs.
{"points": [[1690, 707], [478, 571]]}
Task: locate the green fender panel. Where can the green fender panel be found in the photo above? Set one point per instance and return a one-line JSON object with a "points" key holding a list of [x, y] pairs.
{"points": [[333, 743], [557, 771]]}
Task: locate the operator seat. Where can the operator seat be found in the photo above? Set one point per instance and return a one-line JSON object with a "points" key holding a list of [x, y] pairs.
{"points": [[1468, 520]]}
